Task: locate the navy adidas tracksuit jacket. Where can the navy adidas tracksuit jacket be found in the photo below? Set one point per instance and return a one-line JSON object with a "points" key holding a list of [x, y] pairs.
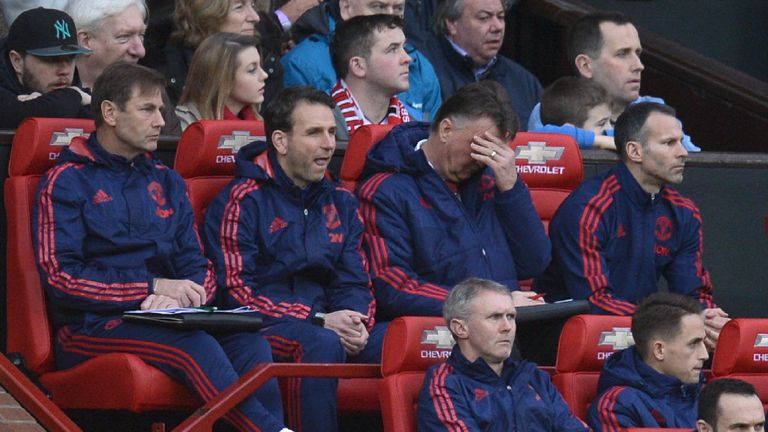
{"points": [[292, 253], [632, 394], [105, 227], [422, 239], [469, 396], [612, 241]]}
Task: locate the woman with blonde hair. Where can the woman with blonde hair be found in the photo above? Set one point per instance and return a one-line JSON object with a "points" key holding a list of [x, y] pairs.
{"points": [[225, 80]]}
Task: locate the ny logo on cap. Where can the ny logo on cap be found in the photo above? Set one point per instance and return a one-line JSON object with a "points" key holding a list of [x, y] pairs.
{"points": [[62, 29]]}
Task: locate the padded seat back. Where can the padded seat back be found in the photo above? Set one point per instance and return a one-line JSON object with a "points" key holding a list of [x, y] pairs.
{"points": [[208, 147], [411, 346], [585, 343], [742, 353], [35, 148], [357, 149]]}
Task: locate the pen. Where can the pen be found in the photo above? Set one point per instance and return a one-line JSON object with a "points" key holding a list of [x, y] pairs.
{"points": [[208, 308], [538, 296]]}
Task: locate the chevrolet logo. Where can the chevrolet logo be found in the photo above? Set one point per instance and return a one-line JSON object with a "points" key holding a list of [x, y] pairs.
{"points": [[441, 337], [237, 140], [618, 338], [538, 153], [63, 138], [761, 341]]}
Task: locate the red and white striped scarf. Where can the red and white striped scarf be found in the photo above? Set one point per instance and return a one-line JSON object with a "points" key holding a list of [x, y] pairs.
{"points": [[353, 115]]}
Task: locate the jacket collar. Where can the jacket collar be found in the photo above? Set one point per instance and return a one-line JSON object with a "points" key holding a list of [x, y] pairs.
{"points": [[637, 195], [479, 369], [92, 152]]}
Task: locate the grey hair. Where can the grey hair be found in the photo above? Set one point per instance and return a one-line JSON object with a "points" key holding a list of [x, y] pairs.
{"points": [[89, 15], [460, 298], [451, 10]]}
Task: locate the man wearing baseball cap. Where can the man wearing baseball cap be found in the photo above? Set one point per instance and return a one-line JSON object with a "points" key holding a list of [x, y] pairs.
{"points": [[37, 69]]}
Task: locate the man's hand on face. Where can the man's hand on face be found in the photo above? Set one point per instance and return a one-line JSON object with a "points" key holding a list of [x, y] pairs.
{"points": [[184, 291], [495, 153], [158, 301]]}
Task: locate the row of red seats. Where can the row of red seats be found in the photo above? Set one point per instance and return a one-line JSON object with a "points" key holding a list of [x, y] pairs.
{"points": [[551, 166]]}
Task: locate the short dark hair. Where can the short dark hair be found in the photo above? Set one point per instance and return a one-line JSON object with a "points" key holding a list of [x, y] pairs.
{"points": [[630, 126], [710, 396], [660, 316], [569, 99], [278, 115], [483, 99], [117, 82], [585, 37], [355, 37]]}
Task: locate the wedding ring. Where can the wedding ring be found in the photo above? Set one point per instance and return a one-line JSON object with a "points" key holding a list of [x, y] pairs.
{"points": [[493, 153]]}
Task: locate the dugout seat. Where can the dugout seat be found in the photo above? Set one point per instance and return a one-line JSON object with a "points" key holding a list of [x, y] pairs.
{"points": [[551, 166], [411, 346], [742, 353], [585, 343], [357, 149], [108, 382], [205, 159]]}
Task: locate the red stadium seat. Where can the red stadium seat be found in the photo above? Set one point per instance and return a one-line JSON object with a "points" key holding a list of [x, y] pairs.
{"points": [[357, 149], [108, 382], [551, 166], [412, 345], [742, 353], [585, 343]]}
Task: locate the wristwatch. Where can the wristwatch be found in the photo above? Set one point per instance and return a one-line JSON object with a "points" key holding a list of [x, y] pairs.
{"points": [[319, 319]]}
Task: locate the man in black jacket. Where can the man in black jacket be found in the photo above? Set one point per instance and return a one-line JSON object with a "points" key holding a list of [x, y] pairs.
{"points": [[37, 69]]}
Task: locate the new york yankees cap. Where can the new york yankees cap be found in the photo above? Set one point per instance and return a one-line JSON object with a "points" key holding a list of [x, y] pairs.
{"points": [[45, 33]]}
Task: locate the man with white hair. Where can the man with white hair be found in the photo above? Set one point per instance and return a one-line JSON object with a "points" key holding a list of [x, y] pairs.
{"points": [[112, 29]]}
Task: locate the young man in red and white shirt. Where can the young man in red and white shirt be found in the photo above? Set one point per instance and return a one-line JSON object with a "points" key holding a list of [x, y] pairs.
{"points": [[369, 55]]}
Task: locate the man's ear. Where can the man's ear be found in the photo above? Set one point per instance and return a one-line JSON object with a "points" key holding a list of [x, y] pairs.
{"points": [[358, 67], [657, 350], [17, 61], [280, 142], [583, 64], [459, 329], [634, 151], [344, 10], [445, 129], [84, 39], [702, 426], [451, 28], [109, 112]]}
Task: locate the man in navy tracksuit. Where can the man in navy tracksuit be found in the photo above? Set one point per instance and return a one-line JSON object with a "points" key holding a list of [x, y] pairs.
{"points": [[443, 202], [286, 240], [115, 232], [656, 382], [480, 388], [619, 232]]}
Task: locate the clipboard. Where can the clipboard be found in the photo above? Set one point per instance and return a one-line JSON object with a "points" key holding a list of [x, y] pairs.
{"points": [[214, 321]]}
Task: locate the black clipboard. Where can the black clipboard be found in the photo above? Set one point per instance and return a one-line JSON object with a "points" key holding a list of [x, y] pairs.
{"points": [[214, 322]]}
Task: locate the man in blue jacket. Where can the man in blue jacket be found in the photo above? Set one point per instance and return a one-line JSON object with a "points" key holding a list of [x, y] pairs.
{"points": [[443, 202], [116, 232], [619, 232], [480, 388], [656, 382], [286, 240], [309, 62]]}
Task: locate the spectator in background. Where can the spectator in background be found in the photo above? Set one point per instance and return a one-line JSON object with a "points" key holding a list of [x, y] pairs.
{"points": [[309, 63], [286, 240], [368, 54], [728, 404], [94, 267], [480, 387], [465, 49], [605, 47], [619, 232], [229, 81], [112, 29], [656, 382], [443, 202], [579, 108], [38, 68], [194, 21]]}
